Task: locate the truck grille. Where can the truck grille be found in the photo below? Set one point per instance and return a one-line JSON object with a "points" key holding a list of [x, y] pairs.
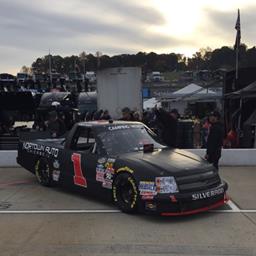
{"points": [[199, 181]]}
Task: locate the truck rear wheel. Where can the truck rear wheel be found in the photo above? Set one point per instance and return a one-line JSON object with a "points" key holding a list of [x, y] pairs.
{"points": [[43, 172]]}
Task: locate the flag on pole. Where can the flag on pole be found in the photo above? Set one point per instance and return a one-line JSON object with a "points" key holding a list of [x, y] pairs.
{"points": [[238, 39], [238, 31]]}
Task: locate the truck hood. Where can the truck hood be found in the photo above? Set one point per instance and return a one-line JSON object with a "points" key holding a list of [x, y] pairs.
{"points": [[168, 162]]}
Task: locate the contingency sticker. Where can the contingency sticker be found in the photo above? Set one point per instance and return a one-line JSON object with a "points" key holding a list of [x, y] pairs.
{"points": [[100, 172], [147, 188], [105, 172], [56, 164], [109, 174], [56, 175], [102, 160]]}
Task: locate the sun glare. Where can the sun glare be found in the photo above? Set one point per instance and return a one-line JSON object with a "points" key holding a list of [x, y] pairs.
{"points": [[181, 17]]}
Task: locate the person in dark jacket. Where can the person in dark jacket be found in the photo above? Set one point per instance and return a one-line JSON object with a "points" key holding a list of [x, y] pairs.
{"points": [[167, 123], [55, 125], [105, 115], [127, 115], [214, 140]]}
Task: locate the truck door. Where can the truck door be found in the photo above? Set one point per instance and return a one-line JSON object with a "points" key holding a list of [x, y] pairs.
{"points": [[79, 165]]}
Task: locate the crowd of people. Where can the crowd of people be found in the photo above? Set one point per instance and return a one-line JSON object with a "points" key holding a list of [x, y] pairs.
{"points": [[208, 133]]}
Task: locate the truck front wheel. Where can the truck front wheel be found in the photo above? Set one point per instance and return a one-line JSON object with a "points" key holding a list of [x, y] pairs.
{"points": [[125, 193]]}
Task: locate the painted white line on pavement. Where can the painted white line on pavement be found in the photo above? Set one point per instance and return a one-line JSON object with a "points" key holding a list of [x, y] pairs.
{"points": [[57, 211], [100, 211], [234, 211], [233, 206]]}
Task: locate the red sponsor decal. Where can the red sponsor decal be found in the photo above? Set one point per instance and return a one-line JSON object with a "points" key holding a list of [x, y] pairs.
{"points": [[147, 197], [173, 199], [79, 179]]}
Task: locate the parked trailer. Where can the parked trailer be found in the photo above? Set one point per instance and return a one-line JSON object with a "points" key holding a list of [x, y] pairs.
{"points": [[118, 88]]}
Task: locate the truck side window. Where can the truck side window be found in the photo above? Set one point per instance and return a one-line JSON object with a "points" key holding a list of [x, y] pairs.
{"points": [[83, 140]]}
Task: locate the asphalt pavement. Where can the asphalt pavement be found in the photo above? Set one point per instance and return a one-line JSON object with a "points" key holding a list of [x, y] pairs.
{"points": [[36, 220]]}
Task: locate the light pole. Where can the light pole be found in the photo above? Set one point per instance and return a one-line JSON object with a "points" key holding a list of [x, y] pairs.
{"points": [[98, 55], [84, 58], [50, 68]]}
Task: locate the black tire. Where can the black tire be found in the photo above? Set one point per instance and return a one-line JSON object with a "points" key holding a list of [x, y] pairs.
{"points": [[43, 172], [125, 193]]}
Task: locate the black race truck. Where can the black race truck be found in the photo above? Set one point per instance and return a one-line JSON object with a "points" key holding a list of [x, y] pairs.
{"points": [[124, 162]]}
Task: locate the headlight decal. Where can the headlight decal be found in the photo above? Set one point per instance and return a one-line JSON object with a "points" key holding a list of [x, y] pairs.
{"points": [[165, 185]]}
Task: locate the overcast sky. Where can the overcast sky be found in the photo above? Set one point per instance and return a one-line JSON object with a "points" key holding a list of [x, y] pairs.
{"points": [[29, 28]]}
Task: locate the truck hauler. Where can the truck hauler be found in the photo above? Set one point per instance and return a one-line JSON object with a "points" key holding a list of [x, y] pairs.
{"points": [[118, 88]]}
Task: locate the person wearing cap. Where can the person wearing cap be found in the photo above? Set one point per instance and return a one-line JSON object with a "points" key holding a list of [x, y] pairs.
{"points": [[127, 114], [55, 125], [214, 140]]}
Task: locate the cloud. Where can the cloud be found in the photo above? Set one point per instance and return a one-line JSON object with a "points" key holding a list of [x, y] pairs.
{"points": [[28, 29], [222, 26], [36, 27]]}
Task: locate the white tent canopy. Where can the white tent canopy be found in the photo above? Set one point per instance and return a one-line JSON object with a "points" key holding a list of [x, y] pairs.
{"points": [[150, 103], [189, 94], [192, 89]]}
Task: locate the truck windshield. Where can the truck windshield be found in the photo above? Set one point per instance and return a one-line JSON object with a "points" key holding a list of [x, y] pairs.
{"points": [[127, 139]]}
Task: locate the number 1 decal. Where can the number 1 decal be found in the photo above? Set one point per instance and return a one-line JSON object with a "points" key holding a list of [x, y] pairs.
{"points": [[79, 179]]}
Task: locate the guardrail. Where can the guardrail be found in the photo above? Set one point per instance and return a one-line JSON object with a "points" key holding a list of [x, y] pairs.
{"points": [[230, 157]]}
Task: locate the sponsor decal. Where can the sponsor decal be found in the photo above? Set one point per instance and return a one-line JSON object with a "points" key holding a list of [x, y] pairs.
{"points": [[102, 160], [105, 173], [100, 176], [56, 164], [111, 160], [100, 172], [108, 174], [108, 179], [207, 194], [114, 194], [107, 184], [173, 199], [134, 200], [56, 175], [136, 126], [109, 167], [124, 169], [147, 188], [118, 127], [150, 206], [147, 197], [41, 150], [100, 167]]}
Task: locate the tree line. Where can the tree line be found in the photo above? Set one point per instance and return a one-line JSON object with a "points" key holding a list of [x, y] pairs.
{"points": [[205, 58]]}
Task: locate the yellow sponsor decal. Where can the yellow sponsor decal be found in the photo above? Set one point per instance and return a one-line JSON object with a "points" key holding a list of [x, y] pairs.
{"points": [[114, 194], [124, 169], [135, 192], [37, 170]]}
